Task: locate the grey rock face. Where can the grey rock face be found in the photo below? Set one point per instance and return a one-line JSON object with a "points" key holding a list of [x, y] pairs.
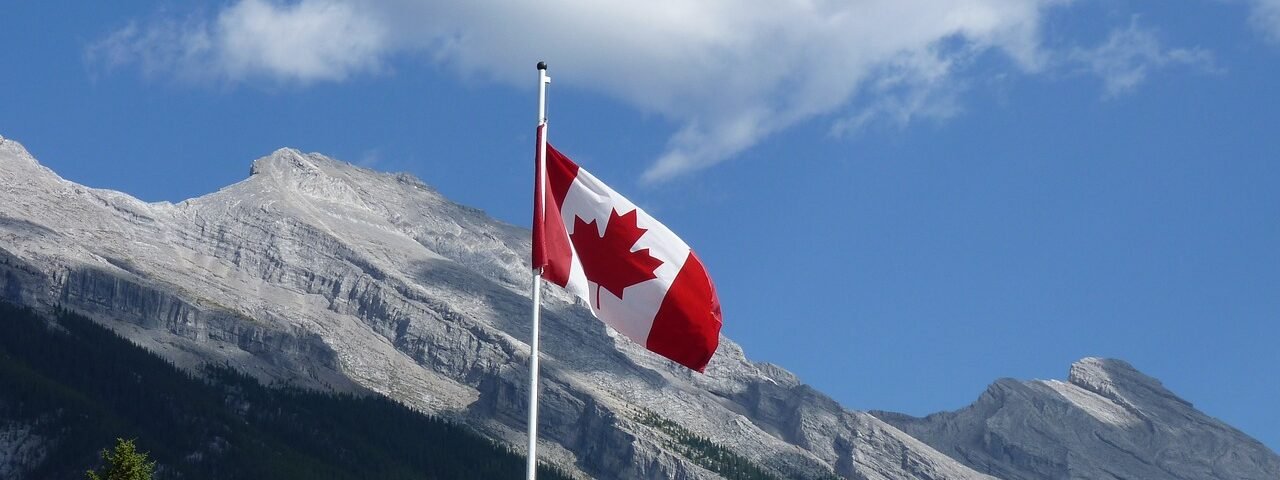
{"points": [[329, 276], [1108, 420], [20, 449]]}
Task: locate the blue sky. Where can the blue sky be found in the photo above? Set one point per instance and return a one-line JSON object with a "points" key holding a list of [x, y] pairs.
{"points": [[899, 201]]}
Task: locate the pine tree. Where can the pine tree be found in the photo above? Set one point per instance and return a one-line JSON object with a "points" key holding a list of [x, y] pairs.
{"points": [[125, 462]]}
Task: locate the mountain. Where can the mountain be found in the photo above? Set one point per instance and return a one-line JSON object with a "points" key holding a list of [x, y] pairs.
{"points": [[327, 276], [1108, 420]]}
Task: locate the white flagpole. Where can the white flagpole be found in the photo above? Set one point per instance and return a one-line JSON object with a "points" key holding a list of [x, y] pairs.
{"points": [[531, 468]]}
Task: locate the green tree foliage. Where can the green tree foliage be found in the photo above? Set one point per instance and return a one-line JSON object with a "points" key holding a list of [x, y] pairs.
{"points": [[705, 453], [124, 462], [80, 386]]}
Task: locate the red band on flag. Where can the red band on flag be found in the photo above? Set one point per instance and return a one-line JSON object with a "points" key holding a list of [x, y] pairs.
{"points": [[687, 326], [550, 240], [539, 254], [560, 174]]}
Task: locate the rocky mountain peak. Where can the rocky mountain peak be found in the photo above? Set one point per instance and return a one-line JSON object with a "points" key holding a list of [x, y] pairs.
{"points": [[314, 176], [1089, 371], [1119, 382], [282, 161], [13, 156], [23, 175], [1100, 423]]}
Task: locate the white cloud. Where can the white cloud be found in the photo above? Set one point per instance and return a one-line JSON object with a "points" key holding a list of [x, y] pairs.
{"points": [[1129, 54], [315, 40], [728, 72], [302, 42], [1266, 17]]}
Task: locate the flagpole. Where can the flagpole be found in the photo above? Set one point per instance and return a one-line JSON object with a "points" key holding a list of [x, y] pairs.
{"points": [[531, 468]]}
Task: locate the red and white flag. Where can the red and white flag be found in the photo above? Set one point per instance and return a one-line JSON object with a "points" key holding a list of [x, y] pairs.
{"points": [[637, 275]]}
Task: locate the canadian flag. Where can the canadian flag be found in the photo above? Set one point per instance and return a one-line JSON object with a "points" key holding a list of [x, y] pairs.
{"points": [[637, 276]]}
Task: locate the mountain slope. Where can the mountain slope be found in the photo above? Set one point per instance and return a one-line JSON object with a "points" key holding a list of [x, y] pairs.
{"points": [[329, 276], [1108, 420], [76, 387]]}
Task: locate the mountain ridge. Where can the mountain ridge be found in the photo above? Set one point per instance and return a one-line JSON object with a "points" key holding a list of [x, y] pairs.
{"points": [[1096, 424], [340, 278]]}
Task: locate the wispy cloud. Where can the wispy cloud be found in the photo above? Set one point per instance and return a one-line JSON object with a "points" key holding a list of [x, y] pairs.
{"points": [[1130, 54], [919, 85], [1266, 18], [727, 72]]}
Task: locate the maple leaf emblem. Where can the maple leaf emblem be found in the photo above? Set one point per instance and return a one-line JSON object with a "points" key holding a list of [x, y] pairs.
{"points": [[608, 260]]}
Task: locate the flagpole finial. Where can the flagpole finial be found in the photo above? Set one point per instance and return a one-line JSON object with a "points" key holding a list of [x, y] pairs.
{"points": [[542, 65]]}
